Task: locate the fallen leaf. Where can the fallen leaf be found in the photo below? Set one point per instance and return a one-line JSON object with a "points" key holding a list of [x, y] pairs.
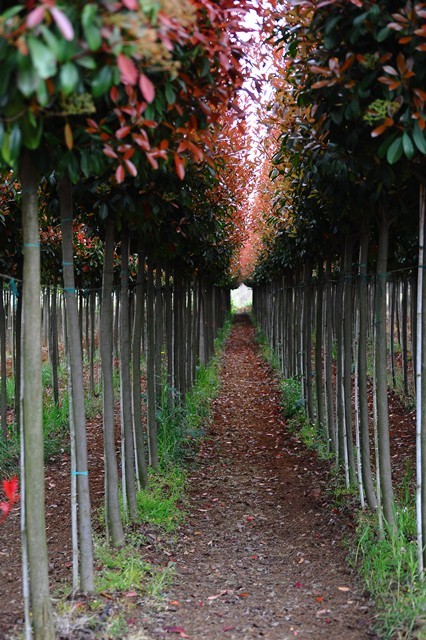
{"points": [[343, 588], [319, 598], [243, 595], [175, 602], [228, 628], [179, 630], [299, 585], [131, 594]]}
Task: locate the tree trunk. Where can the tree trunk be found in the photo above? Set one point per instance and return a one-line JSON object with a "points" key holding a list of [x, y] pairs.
{"points": [[362, 375], [328, 360], [112, 505], [3, 369], [318, 351], [150, 368], [53, 338], [136, 362], [43, 624], [126, 395], [381, 377], [77, 387], [347, 355]]}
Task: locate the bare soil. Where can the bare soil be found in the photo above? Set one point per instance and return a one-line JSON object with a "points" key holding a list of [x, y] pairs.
{"points": [[260, 554]]}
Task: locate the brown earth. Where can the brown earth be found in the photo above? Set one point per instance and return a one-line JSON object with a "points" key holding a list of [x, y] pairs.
{"points": [[260, 554]]}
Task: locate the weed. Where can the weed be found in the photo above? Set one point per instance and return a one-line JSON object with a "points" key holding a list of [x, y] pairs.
{"points": [[161, 503], [292, 399], [388, 566], [124, 569]]}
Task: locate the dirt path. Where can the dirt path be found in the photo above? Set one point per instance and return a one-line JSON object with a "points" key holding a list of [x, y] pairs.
{"points": [[260, 555]]}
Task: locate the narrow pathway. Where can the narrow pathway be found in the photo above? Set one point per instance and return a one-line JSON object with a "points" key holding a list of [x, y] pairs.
{"points": [[260, 555]]}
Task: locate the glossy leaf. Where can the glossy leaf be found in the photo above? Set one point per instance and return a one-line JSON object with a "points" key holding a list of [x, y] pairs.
{"points": [[395, 151], [42, 58], [68, 78]]}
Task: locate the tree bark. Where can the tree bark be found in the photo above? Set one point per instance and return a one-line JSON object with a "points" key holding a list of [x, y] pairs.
{"points": [[150, 368], [112, 505], [126, 395], [3, 368], [77, 387], [362, 390], [136, 363], [381, 377], [42, 618]]}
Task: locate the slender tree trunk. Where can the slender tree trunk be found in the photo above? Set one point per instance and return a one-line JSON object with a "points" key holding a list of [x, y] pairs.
{"points": [[404, 339], [307, 316], [3, 368], [150, 368], [318, 351], [381, 377], [92, 313], [18, 358], [347, 355], [77, 386], [112, 505], [328, 361], [54, 347], [126, 395], [43, 624], [158, 337], [362, 375], [136, 362], [421, 397]]}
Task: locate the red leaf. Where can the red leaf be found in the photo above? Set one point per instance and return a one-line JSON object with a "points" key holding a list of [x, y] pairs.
{"points": [[180, 166], [179, 630], [63, 23], [35, 17], [10, 488], [131, 5], [110, 152], [147, 88], [122, 132], [131, 168], [119, 174], [6, 507], [129, 73]]}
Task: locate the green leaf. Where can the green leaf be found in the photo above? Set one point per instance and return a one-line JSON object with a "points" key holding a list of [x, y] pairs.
{"points": [[103, 211], [408, 146], [31, 132], [102, 83], [383, 34], [395, 151], [10, 13], [69, 78], [419, 138], [91, 26], [170, 94], [42, 93], [42, 58], [27, 80], [205, 68], [86, 62], [11, 146]]}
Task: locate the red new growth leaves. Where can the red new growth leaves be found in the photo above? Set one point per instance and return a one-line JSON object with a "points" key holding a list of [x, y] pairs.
{"points": [[10, 488]]}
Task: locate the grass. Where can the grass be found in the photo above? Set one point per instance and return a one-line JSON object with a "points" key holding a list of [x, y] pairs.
{"points": [[124, 570], [55, 422], [388, 566], [161, 504]]}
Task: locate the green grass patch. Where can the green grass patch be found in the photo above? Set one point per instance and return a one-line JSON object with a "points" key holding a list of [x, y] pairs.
{"points": [[388, 566], [124, 570], [162, 502]]}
